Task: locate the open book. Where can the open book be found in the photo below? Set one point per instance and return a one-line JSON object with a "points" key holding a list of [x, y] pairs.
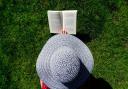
{"points": [[65, 19]]}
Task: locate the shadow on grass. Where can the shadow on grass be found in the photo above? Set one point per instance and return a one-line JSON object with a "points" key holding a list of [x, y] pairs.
{"points": [[84, 37], [96, 83], [91, 25]]}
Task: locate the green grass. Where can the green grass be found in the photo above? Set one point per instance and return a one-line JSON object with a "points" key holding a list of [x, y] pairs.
{"points": [[24, 30]]}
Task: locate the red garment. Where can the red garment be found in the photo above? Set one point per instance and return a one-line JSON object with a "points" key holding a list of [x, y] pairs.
{"points": [[44, 86]]}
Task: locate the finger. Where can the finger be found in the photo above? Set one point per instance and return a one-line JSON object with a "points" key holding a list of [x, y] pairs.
{"points": [[64, 31]]}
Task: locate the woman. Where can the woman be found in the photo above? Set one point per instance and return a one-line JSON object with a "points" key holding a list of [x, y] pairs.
{"points": [[64, 62]]}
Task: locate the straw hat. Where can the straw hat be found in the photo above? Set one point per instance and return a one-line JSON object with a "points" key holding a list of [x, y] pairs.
{"points": [[64, 62]]}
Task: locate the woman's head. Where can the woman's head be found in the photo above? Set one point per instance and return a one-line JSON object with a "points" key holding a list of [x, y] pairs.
{"points": [[65, 62]]}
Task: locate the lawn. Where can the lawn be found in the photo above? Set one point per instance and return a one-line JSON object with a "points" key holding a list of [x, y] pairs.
{"points": [[102, 25]]}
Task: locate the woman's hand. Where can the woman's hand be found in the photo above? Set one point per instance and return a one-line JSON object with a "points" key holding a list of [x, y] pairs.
{"points": [[63, 31]]}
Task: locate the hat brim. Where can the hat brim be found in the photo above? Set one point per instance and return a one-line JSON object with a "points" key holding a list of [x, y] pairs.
{"points": [[55, 42]]}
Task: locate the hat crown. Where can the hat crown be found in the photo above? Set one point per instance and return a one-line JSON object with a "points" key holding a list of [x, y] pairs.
{"points": [[64, 64]]}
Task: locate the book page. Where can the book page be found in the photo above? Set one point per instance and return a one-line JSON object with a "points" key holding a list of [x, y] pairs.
{"points": [[69, 20], [55, 21]]}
